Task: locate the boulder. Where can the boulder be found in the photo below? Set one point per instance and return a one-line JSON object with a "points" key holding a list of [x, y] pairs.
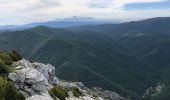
{"points": [[48, 71], [32, 80]]}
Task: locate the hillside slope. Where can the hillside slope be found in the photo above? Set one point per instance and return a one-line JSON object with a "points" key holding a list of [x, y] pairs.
{"points": [[92, 58], [127, 58], [147, 40]]}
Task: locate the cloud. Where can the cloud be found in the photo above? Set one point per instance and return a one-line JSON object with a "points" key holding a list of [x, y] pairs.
{"points": [[50, 2], [99, 3], [25, 11]]}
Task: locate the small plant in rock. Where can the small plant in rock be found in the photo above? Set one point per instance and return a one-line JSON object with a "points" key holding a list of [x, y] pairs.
{"points": [[31, 61], [59, 92], [76, 92]]}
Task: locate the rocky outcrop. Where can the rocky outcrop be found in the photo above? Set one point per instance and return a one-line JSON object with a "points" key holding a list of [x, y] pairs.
{"points": [[34, 80], [45, 96], [108, 95], [154, 90]]}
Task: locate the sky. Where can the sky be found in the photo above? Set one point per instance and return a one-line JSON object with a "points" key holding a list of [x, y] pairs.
{"points": [[16, 12]]}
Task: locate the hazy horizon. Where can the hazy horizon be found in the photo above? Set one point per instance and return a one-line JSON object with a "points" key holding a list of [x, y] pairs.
{"points": [[16, 12]]}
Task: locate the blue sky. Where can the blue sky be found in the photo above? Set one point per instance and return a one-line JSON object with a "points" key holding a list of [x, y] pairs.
{"points": [[145, 6], [27, 11]]}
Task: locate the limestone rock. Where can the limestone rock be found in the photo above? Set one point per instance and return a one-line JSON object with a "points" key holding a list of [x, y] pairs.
{"points": [[48, 71], [30, 80], [40, 97], [35, 79]]}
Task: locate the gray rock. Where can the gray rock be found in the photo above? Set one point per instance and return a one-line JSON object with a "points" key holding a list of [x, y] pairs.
{"points": [[48, 71], [22, 64], [35, 79], [30, 80], [40, 97]]}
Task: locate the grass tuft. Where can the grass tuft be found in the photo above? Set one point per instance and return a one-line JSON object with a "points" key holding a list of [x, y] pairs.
{"points": [[59, 92]]}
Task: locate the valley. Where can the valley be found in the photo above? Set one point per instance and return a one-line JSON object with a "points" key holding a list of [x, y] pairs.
{"points": [[127, 58]]}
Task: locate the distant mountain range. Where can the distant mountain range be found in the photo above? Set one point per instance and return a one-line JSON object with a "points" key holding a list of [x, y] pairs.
{"points": [[127, 58], [60, 23]]}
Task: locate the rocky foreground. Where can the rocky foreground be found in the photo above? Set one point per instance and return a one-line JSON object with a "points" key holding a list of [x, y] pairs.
{"points": [[37, 81]]}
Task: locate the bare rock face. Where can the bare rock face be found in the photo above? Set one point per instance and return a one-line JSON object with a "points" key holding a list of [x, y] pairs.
{"points": [[45, 96], [48, 71], [34, 80], [154, 90]]}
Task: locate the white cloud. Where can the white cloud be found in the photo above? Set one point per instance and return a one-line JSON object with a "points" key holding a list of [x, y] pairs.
{"points": [[24, 11]]}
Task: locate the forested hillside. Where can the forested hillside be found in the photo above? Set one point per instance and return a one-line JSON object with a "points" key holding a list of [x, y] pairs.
{"points": [[127, 58]]}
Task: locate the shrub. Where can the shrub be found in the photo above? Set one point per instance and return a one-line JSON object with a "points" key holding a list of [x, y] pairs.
{"points": [[8, 92], [5, 63], [4, 69], [58, 92], [4, 57], [76, 92], [15, 56]]}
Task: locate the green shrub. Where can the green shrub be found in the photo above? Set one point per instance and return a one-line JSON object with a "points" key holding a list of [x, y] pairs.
{"points": [[5, 69], [15, 56], [5, 63], [58, 92], [8, 92], [76, 92], [4, 57]]}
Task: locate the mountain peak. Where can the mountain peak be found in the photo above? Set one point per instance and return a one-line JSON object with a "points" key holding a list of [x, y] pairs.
{"points": [[76, 18], [41, 27]]}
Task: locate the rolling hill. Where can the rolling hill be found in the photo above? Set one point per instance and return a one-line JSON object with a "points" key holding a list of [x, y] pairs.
{"points": [[92, 58], [127, 58]]}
